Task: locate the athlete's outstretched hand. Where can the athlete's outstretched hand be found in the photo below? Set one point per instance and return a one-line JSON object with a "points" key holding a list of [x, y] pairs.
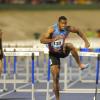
{"points": [[59, 37]]}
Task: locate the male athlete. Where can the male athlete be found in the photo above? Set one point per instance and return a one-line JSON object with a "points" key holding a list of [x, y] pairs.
{"points": [[1, 52], [55, 38]]}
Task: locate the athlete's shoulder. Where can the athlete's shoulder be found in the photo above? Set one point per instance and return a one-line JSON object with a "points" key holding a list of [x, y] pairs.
{"points": [[68, 28], [54, 26], [71, 28], [51, 29]]}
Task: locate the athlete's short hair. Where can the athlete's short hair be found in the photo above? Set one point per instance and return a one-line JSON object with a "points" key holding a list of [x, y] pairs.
{"points": [[62, 18]]}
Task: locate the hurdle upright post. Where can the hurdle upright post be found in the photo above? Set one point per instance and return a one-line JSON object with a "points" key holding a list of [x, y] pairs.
{"points": [[33, 78], [90, 70], [14, 72], [65, 76], [48, 81], [9, 65], [97, 76], [70, 68], [36, 58], [5, 73], [81, 59], [37, 67], [44, 63], [27, 69], [46, 55]]}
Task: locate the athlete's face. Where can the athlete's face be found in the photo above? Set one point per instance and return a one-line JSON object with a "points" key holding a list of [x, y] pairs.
{"points": [[62, 24]]}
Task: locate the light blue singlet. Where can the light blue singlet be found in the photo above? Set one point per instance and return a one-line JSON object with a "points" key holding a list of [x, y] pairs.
{"points": [[59, 43]]}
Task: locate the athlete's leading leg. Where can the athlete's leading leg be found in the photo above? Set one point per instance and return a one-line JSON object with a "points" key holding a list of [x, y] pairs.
{"points": [[73, 50]]}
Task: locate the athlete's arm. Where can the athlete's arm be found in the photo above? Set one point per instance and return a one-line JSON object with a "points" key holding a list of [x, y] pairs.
{"points": [[81, 34], [45, 38]]}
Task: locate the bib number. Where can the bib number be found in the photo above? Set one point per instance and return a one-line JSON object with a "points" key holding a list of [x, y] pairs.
{"points": [[57, 44]]}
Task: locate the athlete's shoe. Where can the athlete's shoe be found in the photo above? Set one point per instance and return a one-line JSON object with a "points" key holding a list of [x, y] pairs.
{"points": [[85, 66]]}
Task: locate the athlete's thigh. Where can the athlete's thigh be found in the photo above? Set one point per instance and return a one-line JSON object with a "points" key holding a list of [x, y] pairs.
{"points": [[54, 60], [68, 46], [55, 66]]}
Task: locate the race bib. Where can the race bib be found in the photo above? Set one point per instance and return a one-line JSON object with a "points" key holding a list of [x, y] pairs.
{"points": [[57, 44]]}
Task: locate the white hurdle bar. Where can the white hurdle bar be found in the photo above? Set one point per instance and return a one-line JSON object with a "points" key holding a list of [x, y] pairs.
{"points": [[18, 54]]}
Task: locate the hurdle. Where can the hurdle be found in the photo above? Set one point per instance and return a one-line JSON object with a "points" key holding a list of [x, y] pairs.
{"points": [[15, 54], [96, 50], [92, 54], [36, 53], [4, 81], [9, 50], [79, 74], [18, 54], [69, 69], [89, 71]]}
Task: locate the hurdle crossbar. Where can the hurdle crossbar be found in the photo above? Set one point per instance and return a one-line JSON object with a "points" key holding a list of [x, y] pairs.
{"points": [[82, 90]]}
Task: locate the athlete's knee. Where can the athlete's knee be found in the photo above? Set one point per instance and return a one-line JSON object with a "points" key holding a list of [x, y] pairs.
{"points": [[70, 46], [55, 72], [55, 69]]}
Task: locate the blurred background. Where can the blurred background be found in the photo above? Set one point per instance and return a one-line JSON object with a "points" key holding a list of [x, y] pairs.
{"points": [[50, 1], [28, 19]]}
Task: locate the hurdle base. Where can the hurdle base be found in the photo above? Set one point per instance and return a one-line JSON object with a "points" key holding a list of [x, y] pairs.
{"points": [[5, 90], [12, 81], [15, 91], [62, 91]]}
